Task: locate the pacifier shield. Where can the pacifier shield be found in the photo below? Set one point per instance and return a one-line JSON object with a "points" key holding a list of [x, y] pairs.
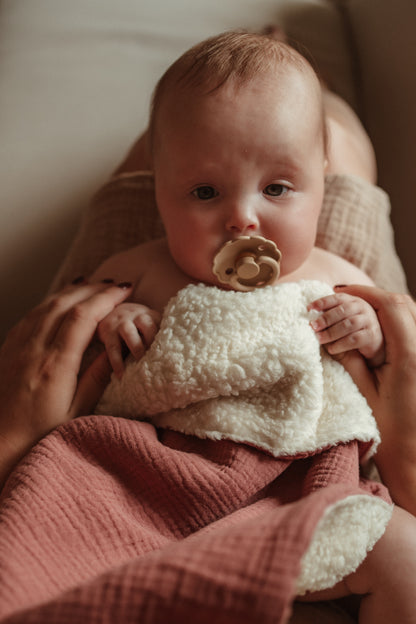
{"points": [[248, 262]]}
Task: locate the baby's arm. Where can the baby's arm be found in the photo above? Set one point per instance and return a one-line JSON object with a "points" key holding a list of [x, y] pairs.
{"points": [[346, 323], [130, 324]]}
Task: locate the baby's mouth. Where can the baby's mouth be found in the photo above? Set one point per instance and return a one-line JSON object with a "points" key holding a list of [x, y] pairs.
{"points": [[247, 262]]}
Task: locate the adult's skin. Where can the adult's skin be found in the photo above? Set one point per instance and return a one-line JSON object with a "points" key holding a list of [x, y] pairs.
{"points": [[40, 362], [391, 391]]}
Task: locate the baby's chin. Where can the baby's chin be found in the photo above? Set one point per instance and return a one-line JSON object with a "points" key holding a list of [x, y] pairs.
{"points": [[199, 277], [208, 280]]}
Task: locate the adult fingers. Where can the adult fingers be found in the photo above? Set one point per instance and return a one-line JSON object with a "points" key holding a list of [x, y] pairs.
{"points": [[73, 337], [91, 386], [80, 322], [44, 319], [28, 345]]}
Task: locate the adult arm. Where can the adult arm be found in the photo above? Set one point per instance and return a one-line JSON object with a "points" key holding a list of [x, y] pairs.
{"points": [[39, 366], [391, 391]]}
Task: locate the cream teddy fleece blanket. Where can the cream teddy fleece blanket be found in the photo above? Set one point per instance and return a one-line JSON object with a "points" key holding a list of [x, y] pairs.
{"points": [[247, 367]]}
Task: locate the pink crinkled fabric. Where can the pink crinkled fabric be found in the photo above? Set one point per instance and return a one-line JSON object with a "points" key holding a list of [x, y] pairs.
{"points": [[113, 520]]}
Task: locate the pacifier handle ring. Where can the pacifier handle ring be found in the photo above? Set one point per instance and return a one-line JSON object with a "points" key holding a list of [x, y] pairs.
{"points": [[247, 284], [272, 263], [247, 266]]}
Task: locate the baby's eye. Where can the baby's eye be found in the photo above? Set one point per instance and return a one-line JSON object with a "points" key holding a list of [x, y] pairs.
{"points": [[205, 192], [276, 190]]}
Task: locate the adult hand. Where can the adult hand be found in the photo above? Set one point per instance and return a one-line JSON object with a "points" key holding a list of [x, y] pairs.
{"points": [[39, 365], [390, 390]]}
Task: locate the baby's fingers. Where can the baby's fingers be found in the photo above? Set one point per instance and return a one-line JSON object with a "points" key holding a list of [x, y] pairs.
{"points": [[345, 330], [346, 333], [132, 337], [334, 309], [368, 341], [148, 326], [114, 350], [348, 342], [139, 333], [340, 316]]}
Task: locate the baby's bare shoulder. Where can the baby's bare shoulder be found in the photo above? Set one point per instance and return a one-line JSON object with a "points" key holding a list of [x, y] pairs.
{"points": [[340, 270]]}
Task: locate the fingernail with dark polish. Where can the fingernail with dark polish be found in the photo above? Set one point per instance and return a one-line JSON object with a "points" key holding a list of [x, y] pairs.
{"points": [[78, 280], [125, 285]]}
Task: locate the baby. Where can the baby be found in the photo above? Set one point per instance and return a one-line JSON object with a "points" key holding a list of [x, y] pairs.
{"points": [[239, 148]]}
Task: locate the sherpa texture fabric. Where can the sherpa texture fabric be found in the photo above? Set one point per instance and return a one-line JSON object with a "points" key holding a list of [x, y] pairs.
{"points": [[247, 367]]}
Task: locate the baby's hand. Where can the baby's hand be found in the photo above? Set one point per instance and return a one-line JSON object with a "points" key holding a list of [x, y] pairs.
{"points": [[346, 323], [133, 324]]}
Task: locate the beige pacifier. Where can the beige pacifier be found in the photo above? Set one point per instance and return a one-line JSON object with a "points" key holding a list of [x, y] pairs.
{"points": [[248, 262]]}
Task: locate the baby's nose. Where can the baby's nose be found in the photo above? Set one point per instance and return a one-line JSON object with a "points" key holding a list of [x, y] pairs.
{"points": [[242, 218]]}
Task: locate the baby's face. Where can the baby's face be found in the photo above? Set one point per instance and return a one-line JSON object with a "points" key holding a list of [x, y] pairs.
{"points": [[245, 161]]}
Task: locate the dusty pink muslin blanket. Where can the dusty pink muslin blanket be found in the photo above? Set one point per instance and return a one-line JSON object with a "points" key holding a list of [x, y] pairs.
{"points": [[112, 520]]}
